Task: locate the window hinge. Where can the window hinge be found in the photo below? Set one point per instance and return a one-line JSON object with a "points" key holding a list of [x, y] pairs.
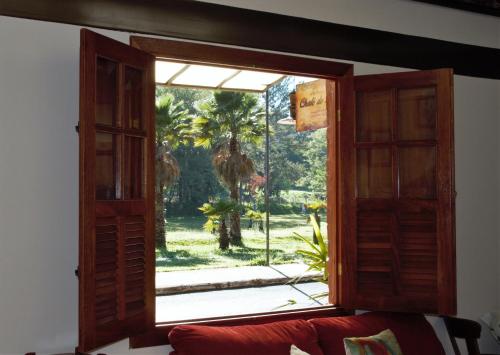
{"points": [[77, 272], [77, 127]]}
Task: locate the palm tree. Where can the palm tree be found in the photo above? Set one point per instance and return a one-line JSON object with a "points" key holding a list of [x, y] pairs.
{"points": [[172, 129], [217, 214], [229, 119]]}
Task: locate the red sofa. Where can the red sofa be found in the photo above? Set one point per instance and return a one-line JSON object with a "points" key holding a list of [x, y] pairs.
{"points": [[320, 336]]}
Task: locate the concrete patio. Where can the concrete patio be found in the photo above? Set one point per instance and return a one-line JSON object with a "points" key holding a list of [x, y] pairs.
{"points": [[175, 282], [184, 295]]}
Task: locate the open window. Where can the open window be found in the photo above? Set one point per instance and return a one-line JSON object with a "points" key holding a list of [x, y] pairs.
{"points": [[390, 187]]}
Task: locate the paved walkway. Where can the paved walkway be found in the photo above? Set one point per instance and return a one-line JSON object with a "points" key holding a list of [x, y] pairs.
{"points": [[198, 305], [175, 282]]}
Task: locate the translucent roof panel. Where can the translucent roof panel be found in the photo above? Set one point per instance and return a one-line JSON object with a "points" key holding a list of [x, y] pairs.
{"points": [[213, 77], [166, 70], [203, 76], [251, 80]]}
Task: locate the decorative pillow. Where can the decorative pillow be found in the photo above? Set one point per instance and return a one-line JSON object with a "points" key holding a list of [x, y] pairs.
{"points": [[296, 351], [384, 343]]}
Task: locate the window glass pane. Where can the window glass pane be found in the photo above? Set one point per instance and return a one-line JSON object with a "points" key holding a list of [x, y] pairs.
{"points": [[105, 166], [373, 117], [417, 114], [134, 161], [106, 92], [374, 168], [133, 98], [417, 172]]}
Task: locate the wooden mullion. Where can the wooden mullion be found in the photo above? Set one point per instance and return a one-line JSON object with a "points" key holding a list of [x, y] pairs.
{"points": [[447, 302], [399, 143], [121, 124], [347, 243], [149, 125], [138, 133], [394, 148], [332, 191], [395, 235], [372, 82], [417, 143], [368, 145]]}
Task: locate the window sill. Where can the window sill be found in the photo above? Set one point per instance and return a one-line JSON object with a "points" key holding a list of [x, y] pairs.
{"points": [[159, 335]]}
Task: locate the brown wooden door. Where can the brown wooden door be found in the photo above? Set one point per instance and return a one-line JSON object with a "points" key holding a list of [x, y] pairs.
{"points": [[398, 218], [116, 258]]}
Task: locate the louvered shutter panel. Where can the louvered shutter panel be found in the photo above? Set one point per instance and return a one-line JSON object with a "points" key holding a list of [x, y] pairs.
{"points": [[116, 254], [398, 225]]}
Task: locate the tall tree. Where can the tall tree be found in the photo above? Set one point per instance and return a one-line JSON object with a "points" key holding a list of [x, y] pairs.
{"points": [[172, 130], [226, 121], [197, 182]]}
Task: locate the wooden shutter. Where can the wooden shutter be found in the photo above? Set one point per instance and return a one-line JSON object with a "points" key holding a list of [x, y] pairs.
{"points": [[116, 257], [398, 235]]}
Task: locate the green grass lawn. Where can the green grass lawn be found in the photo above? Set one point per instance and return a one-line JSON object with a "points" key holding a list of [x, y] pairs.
{"points": [[190, 247]]}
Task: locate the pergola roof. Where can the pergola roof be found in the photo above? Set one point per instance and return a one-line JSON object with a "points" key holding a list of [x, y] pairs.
{"points": [[213, 77]]}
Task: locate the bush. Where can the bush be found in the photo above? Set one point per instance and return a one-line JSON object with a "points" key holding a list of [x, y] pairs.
{"points": [[277, 208]]}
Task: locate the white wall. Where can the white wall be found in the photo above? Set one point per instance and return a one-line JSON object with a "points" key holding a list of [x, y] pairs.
{"points": [[39, 165]]}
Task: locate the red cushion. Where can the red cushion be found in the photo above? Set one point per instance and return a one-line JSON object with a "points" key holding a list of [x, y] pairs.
{"points": [[269, 339], [414, 334]]}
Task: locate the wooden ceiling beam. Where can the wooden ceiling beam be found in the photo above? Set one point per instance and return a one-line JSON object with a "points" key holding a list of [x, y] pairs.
{"points": [[213, 23]]}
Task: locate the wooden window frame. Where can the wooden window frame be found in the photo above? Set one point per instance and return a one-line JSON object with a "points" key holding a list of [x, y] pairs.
{"points": [[342, 74]]}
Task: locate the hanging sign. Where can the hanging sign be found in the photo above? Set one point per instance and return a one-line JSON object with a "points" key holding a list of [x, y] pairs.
{"points": [[311, 109]]}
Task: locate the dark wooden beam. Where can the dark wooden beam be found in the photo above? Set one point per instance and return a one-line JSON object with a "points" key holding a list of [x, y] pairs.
{"points": [[255, 29], [491, 7], [193, 52]]}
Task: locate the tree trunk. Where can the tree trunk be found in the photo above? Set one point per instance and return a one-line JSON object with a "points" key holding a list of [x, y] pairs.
{"points": [[223, 236], [235, 224], [318, 221], [160, 241]]}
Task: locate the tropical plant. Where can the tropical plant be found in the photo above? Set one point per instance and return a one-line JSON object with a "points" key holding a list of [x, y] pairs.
{"points": [[315, 207], [316, 258], [256, 216], [226, 121], [172, 130], [217, 213]]}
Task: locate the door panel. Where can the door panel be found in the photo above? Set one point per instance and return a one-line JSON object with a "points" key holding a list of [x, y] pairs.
{"points": [[399, 249], [116, 256]]}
